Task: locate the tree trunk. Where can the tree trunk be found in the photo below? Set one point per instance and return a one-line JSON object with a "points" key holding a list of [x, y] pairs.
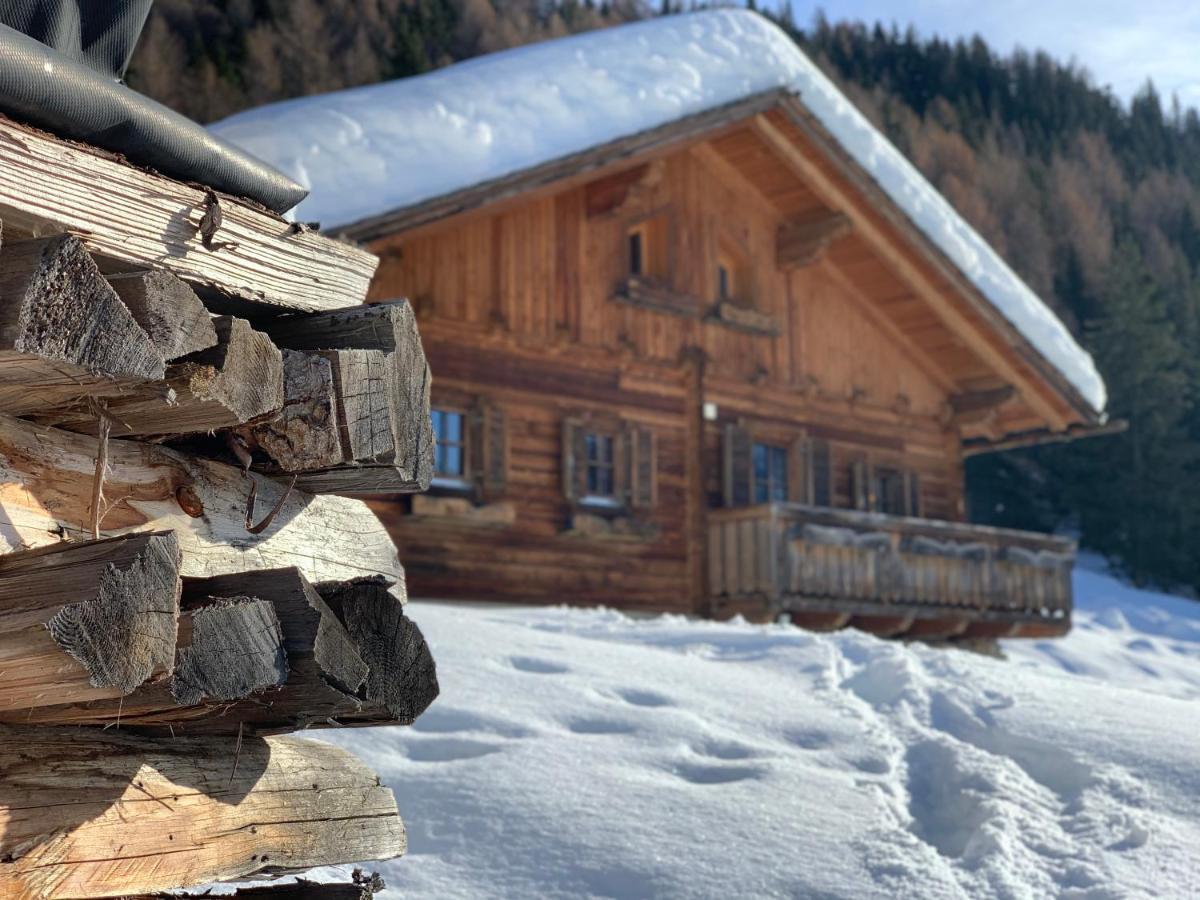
{"points": [[89, 813], [86, 621]]}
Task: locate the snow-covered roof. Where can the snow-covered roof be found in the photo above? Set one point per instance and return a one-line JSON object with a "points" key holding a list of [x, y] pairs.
{"points": [[377, 149]]}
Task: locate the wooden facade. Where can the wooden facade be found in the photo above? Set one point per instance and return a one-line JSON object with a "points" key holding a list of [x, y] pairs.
{"points": [[719, 315]]}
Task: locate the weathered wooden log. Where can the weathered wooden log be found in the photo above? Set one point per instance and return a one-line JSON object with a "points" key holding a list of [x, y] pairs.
{"points": [[88, 620], [64, 333], [90, 813], [382, 674], [236, 381], [167, 310], [391, 329], [305, 433], [141, 218], [47, 479], [401, 675], [367, 426]]}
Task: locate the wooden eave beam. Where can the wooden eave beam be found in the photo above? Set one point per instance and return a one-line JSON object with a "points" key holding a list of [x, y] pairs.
{"points": [[836, 198], [976, 406], [141, 219], [979, 446], [803, 241]]}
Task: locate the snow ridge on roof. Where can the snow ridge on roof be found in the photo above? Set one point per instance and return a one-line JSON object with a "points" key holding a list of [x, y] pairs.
{"points": [[377, 149]]}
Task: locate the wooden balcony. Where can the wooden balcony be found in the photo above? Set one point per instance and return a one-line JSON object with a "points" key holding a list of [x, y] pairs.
{"points": [[894, 576]]}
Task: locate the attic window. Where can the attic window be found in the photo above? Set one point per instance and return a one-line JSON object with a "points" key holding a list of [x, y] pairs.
{"points": [[732, 279], [646, 249]]}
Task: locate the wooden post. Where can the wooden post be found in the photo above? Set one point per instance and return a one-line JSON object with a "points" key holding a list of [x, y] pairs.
{"points": [[87, 621], [90, 813]]}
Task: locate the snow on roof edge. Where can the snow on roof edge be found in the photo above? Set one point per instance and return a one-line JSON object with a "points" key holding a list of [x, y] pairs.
{"points": [[368, 151]]}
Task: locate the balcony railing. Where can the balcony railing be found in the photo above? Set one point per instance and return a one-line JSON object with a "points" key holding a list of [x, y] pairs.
{"points": [[901, 575]]}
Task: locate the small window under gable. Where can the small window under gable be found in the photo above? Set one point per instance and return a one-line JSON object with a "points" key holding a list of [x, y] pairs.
{"points": [[646, 249], [732, 277]]}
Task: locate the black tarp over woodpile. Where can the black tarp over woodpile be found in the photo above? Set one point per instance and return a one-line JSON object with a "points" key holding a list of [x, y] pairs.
{"points": [[60, 67]]}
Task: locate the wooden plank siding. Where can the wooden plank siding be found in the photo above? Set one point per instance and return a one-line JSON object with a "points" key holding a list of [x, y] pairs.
{"points": [[522, 307]]}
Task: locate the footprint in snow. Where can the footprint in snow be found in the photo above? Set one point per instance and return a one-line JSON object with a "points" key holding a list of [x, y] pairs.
{"points": [[636, 697], [809, 739], [537, 666], [726, 750], [601, 726], [449, 720], [698, 773], [448, 749]]}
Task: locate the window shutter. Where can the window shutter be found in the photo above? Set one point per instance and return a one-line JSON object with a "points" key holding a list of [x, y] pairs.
{"points": [[574, 459], [913, 491], [737, 465], [800, 485], [643, 475], [476, 457], [493, 471], [860, 484], [822, 475]]}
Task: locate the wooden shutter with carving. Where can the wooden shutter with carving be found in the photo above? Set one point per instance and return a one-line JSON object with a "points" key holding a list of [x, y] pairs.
{"points": [[913, 493], [737, 462], [860, 484], [488, 450]]}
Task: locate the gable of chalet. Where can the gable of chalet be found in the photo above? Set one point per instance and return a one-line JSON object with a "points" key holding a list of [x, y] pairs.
{"points": [[839, 187]]}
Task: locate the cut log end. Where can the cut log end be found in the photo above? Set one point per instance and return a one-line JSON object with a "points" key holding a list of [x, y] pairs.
{"points": [[68, 312], [402, 676], [168, 310], [127, 632], [236, 650], [305, 433]]}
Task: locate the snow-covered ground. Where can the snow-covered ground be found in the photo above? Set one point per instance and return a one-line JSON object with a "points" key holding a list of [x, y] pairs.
{"points": [[583, 753]]}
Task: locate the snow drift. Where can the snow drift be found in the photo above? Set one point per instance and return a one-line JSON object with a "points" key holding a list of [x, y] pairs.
{"points": [[586, 754]]}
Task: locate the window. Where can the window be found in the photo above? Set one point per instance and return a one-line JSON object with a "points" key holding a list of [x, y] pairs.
{"points": [[450, 458], [770, 473], [601, 466], [637, 251], [646, 249], [888, 493], [724, 282]]}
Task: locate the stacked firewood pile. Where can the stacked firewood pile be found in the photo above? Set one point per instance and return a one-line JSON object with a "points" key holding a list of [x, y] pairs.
{"points": [[192, 392]]}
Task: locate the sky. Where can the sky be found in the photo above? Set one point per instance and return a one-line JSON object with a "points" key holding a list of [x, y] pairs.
{"points": [[1120, 42]]}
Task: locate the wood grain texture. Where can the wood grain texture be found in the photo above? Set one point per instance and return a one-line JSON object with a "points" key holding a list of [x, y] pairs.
{"points": [[88, 814], [390, 329], [237, 380], [46, 478], [379, 674], [142, 218], [81, 621], [305, 433], [64, 333], [168, 311]]}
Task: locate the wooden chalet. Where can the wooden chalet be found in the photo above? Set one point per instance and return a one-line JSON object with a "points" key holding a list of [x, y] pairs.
{"points": [[715, 367]]}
